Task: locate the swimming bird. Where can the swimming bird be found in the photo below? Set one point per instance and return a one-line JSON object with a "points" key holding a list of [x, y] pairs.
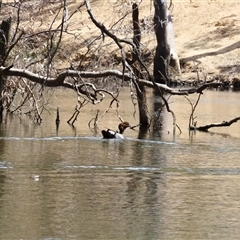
{"points": [[108, 134]]}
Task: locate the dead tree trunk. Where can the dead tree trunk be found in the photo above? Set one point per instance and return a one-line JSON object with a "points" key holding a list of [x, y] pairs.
{"points": [[140, 89], [162, 54], [165, 52], [136, 32], [4, 33]]}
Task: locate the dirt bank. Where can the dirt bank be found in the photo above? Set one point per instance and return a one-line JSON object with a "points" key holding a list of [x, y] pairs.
{"points": [[207, 33]]}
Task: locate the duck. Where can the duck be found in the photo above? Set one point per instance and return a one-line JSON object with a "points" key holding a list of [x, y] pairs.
{"points": [[110, 134]]}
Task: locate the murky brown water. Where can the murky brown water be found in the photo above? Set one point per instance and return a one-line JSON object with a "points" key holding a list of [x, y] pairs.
{"points": [[159, 187]]}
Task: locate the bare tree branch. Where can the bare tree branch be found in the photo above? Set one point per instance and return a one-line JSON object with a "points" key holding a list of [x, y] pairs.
{"points": [[55, 48], [117, 40]]}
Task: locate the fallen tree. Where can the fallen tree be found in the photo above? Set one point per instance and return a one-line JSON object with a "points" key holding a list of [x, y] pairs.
{"points": [[61, 80]]}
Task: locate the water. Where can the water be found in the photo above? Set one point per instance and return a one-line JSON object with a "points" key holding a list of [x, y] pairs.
{"points": [[72, 184]]}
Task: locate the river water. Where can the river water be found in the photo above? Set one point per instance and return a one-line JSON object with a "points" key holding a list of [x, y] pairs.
{"points": [[71, 184]]}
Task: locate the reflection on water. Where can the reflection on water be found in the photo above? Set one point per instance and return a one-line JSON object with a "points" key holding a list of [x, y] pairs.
{"points": [[72, 184]]}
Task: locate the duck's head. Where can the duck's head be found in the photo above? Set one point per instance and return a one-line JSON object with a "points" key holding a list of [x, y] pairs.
{"points": [[122, 126]]}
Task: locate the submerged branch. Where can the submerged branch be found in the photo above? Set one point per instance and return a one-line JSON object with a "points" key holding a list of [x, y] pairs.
{"points": [[222, 124]]}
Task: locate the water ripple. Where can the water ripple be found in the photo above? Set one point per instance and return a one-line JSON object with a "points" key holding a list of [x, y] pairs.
{"points": [[4, 165], [128, 168], [56, 138], [193, 171]]}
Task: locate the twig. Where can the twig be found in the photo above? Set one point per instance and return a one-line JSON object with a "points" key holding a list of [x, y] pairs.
{"points": [[95, 123], [74, 116], [191, 118], [133, 127]]}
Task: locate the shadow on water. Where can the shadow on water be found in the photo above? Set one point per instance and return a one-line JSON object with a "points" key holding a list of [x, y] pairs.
{"points": [[154, 131]]}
